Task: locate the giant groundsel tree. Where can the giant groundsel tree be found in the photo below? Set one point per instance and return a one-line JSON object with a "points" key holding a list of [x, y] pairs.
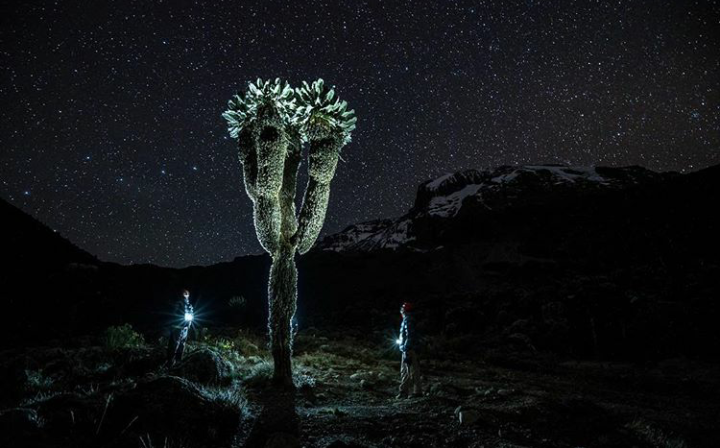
{"points": [[272, 122]]}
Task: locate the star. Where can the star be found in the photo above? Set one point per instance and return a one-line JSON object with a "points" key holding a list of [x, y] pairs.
{"points": [[107, 127]]}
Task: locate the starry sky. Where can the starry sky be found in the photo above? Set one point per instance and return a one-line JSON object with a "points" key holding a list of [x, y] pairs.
{"points": [[111, 134]]}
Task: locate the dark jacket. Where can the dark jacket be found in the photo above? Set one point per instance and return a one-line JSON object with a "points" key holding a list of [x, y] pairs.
{"points": [[178, 318], [407, 339]]}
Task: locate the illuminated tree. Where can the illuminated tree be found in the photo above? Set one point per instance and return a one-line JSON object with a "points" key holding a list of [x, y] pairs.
{"points": [[272, 122]]}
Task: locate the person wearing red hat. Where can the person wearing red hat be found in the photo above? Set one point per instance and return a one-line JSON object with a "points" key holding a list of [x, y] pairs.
{"points": [[410, 384]]}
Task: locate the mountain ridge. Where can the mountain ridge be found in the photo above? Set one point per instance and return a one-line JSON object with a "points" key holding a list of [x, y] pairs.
{"points": [[496, 189], [33, 242], [569, 267]]}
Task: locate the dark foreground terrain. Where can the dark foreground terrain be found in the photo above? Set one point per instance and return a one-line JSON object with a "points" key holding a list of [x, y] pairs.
{"points": [[557, 307], [99, 395]]}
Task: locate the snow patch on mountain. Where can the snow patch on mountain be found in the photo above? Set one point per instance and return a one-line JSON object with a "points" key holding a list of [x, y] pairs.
{"points": [[570, 174], [448, 192], [433, 185], [354, 234], [372, 235], [559, 173], [448, 206], [443, 198], [392, 237]]}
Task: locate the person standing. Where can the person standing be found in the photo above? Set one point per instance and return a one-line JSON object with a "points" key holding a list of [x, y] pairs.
{"points": [[179, 331], [410, 382]]}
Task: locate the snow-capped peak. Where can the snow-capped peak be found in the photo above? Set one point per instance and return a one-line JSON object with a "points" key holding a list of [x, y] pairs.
{"points": [[483, 191]]}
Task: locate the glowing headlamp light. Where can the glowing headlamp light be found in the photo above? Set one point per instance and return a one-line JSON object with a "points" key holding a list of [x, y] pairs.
{"points": [[188, 317], [399, 341]]}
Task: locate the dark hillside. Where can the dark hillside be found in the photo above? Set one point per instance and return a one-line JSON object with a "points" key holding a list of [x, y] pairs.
{"points": [[606, 262]]}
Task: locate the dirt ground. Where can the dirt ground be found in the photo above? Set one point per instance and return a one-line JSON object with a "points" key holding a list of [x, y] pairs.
{"points": [[346, 397], [519, 401]]}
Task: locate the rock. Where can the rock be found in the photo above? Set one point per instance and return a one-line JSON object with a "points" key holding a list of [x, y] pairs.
{"points": [[504, 392], [364, 378], [468, 417], [484, 392], [434, 389], [204, 366], [447, 390], [172, 405]]}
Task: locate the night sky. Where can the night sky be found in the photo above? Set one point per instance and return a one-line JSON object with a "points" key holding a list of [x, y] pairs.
{"points": [[110, 126]]}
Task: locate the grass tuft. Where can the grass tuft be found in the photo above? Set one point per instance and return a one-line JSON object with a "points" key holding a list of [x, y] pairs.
{"points": [[259, 376], [122, 336], [37, 380], [655, 436]]}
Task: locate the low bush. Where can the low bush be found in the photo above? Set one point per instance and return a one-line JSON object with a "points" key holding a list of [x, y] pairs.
{"points": [[233, 396], [236, 302], [655, 436], [259, 375], [122, 337], [36, 380]]}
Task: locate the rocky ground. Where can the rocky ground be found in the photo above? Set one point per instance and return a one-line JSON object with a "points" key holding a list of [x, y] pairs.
{"points": [[93, 394]]}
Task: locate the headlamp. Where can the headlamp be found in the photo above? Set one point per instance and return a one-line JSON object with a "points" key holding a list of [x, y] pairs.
{"points": [[188, 317]]}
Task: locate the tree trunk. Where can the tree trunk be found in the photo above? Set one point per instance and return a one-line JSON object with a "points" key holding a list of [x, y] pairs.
{"points": [[282, 294]]}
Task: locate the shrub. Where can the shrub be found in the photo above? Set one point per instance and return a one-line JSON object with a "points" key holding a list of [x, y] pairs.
{"points": [[232, 396], [232, 348], [655, 436], [38, 398], [222, 344], [122, 337], [236, 302], [259, 375], [304, 382], [246, 347], [36, 380]]}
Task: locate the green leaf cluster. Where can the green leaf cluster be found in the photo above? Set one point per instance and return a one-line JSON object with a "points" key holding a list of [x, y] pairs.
{"points": [[123, 336], [312, 109]]}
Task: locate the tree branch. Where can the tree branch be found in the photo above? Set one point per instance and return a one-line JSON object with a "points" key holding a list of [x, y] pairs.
{"points": [[321, 169], [248, 159], [289, 190]]}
